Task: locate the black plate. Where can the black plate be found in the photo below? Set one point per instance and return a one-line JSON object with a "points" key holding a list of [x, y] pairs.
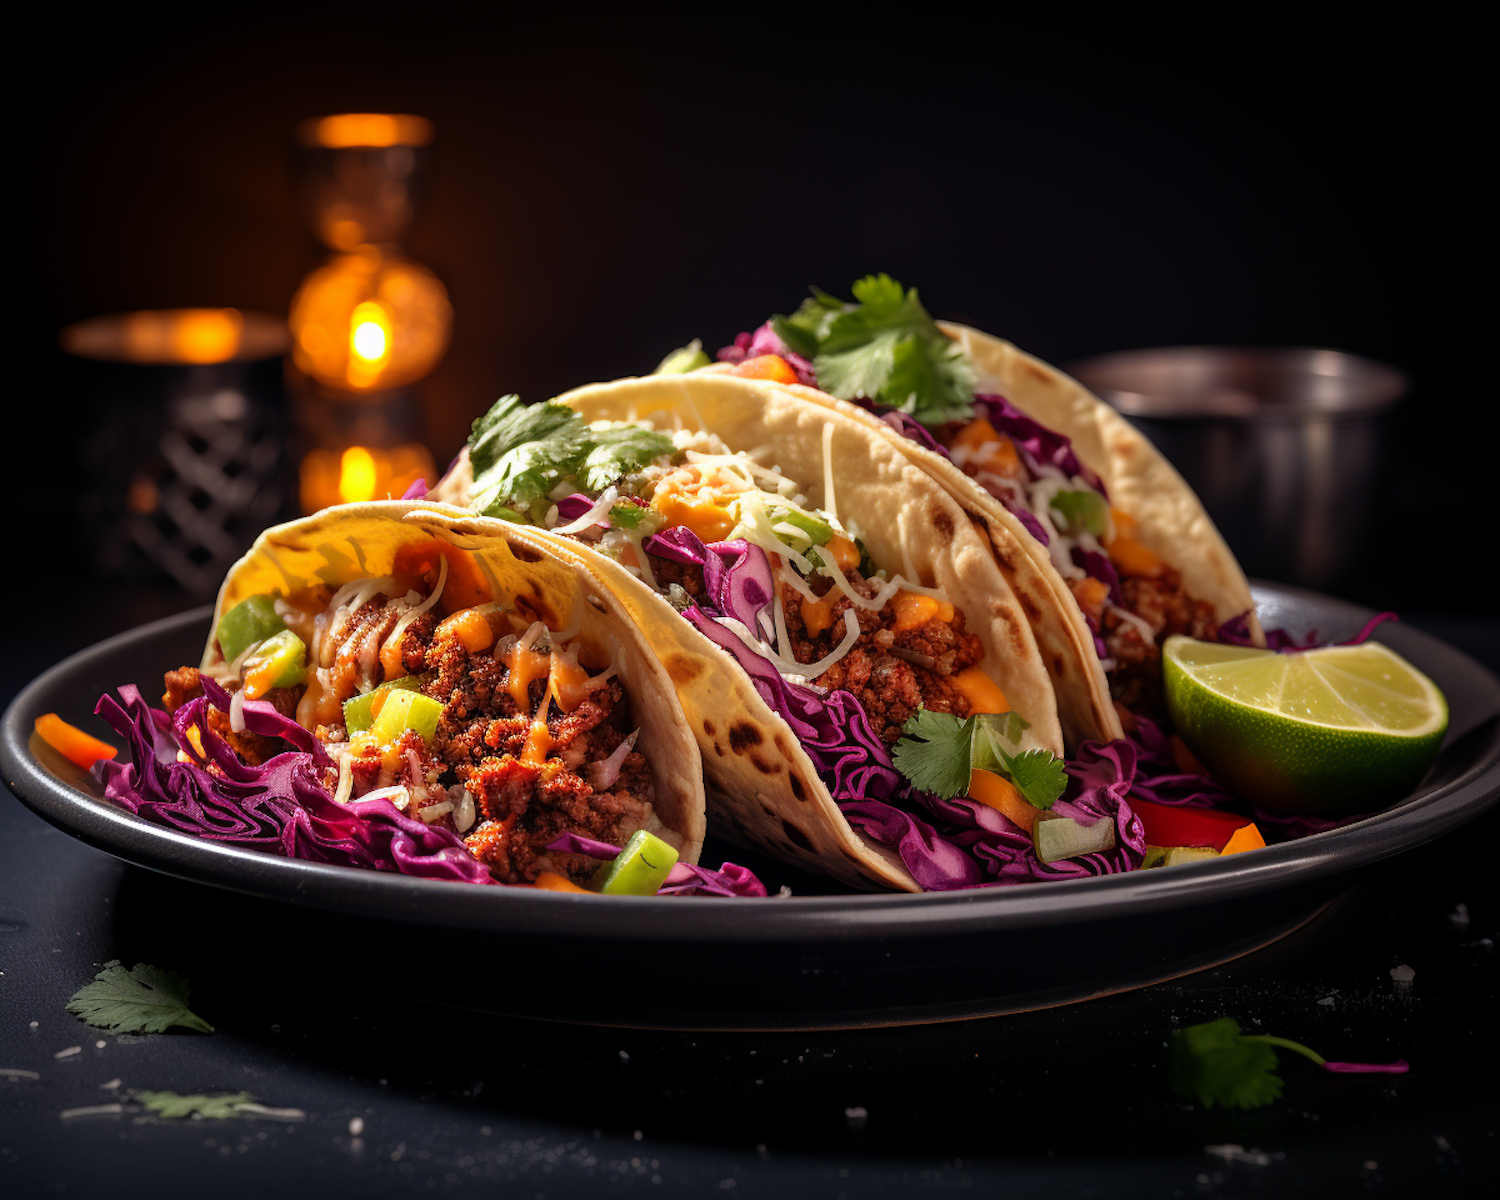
{"points": [[809, 960]]}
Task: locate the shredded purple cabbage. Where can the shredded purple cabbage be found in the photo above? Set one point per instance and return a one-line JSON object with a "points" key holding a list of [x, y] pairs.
{"points": [[416, 490], [736, 575], [1042, 444], [279, 806], [570, 508], [1236, 632], [684, 879], [765, 340]]}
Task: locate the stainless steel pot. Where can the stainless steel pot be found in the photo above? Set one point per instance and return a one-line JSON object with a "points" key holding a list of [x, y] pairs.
{"points": [[1283, 445]]}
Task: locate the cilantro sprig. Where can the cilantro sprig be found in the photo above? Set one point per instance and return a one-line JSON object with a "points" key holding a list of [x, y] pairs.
{"points": [[938, 751], [1215, 1063], [139, 999], [884, 347], [519, 453]]}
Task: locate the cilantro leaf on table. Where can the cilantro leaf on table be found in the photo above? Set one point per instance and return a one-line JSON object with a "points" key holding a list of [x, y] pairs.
{"points": [[883, 347], [519, 453], [1214, 1063], [218, 1106], [938, 751], [142, 999]]}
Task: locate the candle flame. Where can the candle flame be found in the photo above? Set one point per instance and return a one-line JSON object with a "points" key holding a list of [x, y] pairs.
{"points": [[356, 475]]}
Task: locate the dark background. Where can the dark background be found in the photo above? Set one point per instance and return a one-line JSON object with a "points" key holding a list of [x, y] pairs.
{"points": [[605, 188]]}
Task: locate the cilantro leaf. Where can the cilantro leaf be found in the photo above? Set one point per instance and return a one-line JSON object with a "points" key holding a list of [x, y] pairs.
{"points": [[628, 514], [883, 347], [143, 999], [616, 452], [934, 753], [218, 1106], [1214, 1063], [519, 452], [938, 751]]}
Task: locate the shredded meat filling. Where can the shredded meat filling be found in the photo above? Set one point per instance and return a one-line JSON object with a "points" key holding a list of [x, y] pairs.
{"points": [[1162, 602]]}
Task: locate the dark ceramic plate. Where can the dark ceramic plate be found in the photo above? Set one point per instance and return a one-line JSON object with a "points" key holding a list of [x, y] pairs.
{"points": [[815, 959]]}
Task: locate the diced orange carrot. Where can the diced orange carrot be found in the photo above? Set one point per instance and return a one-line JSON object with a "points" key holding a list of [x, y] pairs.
{"points": [[982, 692], [1125, 524], [470, 627], [1091, 594], [551, 881], [1133, 558], [705, 518], [844, 552], [913, 609], [71, 742], [260, 678], [998, 792], [1183, 757], [767, 366], [1245, 838], [817, 615]]}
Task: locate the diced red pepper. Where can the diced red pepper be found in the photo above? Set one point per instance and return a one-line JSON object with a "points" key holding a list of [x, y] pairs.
{"points": [[1171, 825], [72, 742]]}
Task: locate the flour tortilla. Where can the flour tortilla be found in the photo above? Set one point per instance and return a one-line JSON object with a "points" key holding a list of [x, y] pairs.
{"points": [[763, 788], [494, 561]]}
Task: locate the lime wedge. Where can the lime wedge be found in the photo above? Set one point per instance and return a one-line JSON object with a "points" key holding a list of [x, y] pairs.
{"points": [[1327, 733]]}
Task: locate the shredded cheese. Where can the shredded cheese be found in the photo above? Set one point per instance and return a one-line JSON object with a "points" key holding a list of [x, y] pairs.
{"points": [[237, 711], [789, 667], [595, 515], [412, 614]]}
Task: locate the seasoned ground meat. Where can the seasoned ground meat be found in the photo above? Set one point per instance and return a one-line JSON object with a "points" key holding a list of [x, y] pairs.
{"points": [[688, 576], [522, 807], [1135, 679], [186, 684], [889, 687]]}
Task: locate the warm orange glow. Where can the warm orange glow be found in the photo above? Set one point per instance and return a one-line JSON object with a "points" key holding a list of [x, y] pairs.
{"points": [[362, 473], [180, 335], [356, 475], [366, 321], [177, 335], [348, 131]]}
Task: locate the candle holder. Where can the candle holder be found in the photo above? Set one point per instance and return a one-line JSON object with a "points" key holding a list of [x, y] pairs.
{"points": [[369, 323], [182, 431]]}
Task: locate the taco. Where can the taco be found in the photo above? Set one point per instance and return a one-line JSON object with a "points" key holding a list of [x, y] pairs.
{"points": [[833, 620], [386, 685], [1078, 505]]}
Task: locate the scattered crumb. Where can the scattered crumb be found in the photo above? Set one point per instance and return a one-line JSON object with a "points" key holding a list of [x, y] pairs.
{"points": [[1371, 1165], [1326, 1000], [99, 1045], [93, 1110], [356, 1126], [1238, 1154], [17, 1073], [637, 1135], [33, 1025], [1460, 916], [856, 1116], [110, 1086], [1403, 974], [69, 1052]]}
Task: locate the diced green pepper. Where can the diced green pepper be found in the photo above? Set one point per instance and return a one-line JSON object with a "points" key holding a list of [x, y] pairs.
{"points": [[680, 362], [1176, 856], [359, 712], [1056, 837], [281, 658], [405, 710], [820, 533], [1082, 512], [248, 622], [639, 869]]}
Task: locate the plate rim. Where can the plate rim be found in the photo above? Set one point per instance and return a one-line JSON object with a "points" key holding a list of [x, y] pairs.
{"points": [[796, 918]]}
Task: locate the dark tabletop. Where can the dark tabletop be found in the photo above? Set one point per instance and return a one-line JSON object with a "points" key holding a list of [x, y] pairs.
{"points": [[397, 1089]]}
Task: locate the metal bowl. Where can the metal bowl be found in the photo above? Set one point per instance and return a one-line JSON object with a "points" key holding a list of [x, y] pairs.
{"points": [[1283, 445]]}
